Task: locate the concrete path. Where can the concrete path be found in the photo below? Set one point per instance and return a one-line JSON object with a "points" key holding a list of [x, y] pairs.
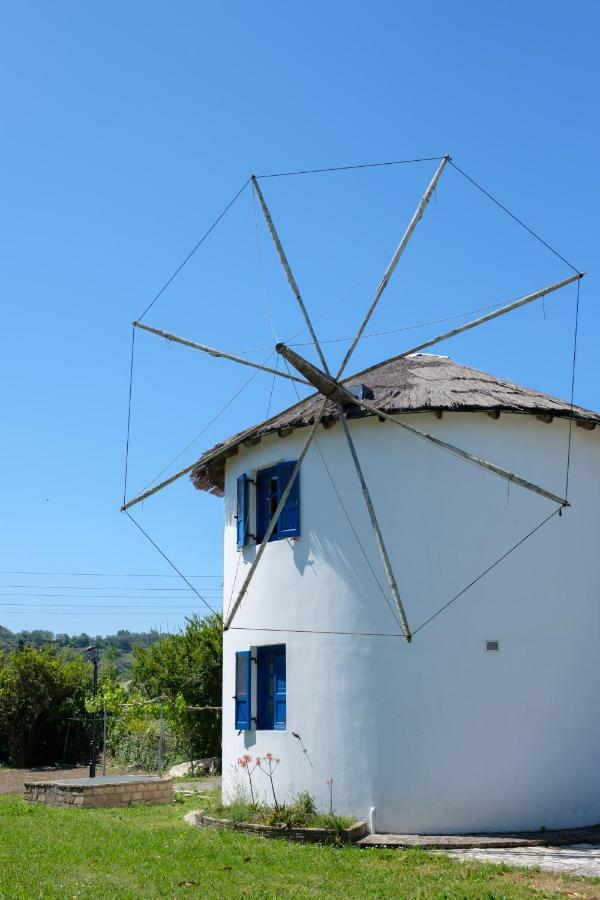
{"points": [[578, 859], [196, 787], [568, 837]]}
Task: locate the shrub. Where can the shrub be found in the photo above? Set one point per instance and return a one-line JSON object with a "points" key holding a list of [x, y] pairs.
{"points": [[41, 699]]}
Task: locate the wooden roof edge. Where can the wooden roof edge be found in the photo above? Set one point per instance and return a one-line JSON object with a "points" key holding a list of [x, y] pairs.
{"points": [[202, 478]]}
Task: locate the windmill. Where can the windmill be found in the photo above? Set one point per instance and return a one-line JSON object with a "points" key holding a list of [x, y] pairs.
{"points": [[333, 388]]}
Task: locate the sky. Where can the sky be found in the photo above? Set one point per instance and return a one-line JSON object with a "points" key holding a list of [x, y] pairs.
{"points": [[126, 130]]}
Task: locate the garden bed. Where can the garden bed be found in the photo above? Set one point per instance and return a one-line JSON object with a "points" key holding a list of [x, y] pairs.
{"points": [[348, 834]]}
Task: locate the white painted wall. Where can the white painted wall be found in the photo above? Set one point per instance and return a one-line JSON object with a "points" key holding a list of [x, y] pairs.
{"points": [[439, 735]]}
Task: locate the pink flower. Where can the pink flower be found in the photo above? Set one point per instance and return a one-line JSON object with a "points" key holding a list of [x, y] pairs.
{"points": [[244, 761]]}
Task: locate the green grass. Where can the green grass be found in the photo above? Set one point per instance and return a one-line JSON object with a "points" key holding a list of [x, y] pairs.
{"points": [[149, 852]]}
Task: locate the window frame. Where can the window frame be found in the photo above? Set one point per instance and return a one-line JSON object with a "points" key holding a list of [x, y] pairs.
{"points": [[288, 525], [271, 687]]}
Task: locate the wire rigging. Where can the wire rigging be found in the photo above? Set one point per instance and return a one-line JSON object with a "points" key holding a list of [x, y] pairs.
{"points": [[572, 389], [172, 564], [486, 571], [413, 327], [129, 414], [375, 165], [239, 559], [194, 249], [504, 555], [348, 518], [513, 216], [208, 424]]}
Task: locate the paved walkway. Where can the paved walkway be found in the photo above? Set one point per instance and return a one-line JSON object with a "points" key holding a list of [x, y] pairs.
{"points": [[578, 859], [568, 837], [195, 787]]}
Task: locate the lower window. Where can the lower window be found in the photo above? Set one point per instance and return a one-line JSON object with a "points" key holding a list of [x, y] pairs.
{"points": [[270, 687], [267, 682]]}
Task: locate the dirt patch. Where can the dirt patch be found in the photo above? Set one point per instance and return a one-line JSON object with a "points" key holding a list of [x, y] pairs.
{"points": [[12, 781]]}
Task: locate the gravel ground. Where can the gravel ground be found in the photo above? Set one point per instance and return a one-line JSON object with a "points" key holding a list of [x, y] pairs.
{"points": [[13, 780]]}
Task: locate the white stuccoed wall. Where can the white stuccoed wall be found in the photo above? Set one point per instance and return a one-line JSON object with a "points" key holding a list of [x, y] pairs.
{"points": [[439, 735]]}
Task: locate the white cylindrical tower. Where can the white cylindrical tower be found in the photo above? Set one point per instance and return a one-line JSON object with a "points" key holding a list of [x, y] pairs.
{"points": [[487, 720]]}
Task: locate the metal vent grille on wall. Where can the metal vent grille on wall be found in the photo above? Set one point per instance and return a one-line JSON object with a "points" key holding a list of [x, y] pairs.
{"points": [[492, 646]]}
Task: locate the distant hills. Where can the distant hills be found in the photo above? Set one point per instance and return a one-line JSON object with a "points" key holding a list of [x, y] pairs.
{"points": [[114, 648]]}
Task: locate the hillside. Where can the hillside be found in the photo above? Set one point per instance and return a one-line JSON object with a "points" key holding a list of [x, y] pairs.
{"points": [[116, 648]]}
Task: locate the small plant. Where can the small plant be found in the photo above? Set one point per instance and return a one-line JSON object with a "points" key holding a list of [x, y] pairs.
{"points": [[268, 764], [332, 821], [305, 803], [329, 783], [245, 762]]}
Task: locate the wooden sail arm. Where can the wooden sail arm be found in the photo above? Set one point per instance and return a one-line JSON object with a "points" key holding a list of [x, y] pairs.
{"points": [[418, 213], [274, 518], [287, 269], [387, 565], [213, 352], [335, 391], [464, 454], [509, 307]]}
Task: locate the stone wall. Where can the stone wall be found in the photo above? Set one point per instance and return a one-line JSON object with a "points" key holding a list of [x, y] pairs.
{"points": [[105, 792]]}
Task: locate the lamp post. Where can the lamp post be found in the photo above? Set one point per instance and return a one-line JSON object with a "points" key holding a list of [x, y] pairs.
{"points": [[91, 654]]}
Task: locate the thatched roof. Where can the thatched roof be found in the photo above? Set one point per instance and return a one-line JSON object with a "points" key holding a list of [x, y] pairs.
{"points": [[419, 383]]}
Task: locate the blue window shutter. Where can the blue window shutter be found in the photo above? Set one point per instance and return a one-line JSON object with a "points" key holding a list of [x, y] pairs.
{"points": [[289, 521], [262, 519], [242, 511], [280, 690], [243, 712]]}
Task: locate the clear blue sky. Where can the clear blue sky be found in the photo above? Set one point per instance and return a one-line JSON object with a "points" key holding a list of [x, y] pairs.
{"points": [[126, 127]]}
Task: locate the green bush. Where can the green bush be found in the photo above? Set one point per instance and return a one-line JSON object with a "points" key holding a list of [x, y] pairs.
{"points": [[137, 744], [42, 696]]}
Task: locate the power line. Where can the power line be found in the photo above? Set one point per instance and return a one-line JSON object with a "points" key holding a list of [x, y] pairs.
{"points": [[107, 574], [214, 596], [93, 613], [87, 587], [83, 606]]}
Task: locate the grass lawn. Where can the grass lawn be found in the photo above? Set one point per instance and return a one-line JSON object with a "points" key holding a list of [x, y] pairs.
{"points": [[148, 852]]}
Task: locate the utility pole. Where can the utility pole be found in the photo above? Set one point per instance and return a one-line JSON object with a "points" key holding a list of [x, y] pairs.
{"points": [[91, 654]]}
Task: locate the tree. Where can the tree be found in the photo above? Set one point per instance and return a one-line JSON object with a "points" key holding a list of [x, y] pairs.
{"points": [[40, 691], [185, 670]]}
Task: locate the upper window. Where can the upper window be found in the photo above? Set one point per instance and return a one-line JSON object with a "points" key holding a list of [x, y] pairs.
{"points": [[270, 485]]}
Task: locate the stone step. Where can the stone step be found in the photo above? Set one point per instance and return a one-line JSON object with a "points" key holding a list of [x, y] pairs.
{"points": [[562, 838]]}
